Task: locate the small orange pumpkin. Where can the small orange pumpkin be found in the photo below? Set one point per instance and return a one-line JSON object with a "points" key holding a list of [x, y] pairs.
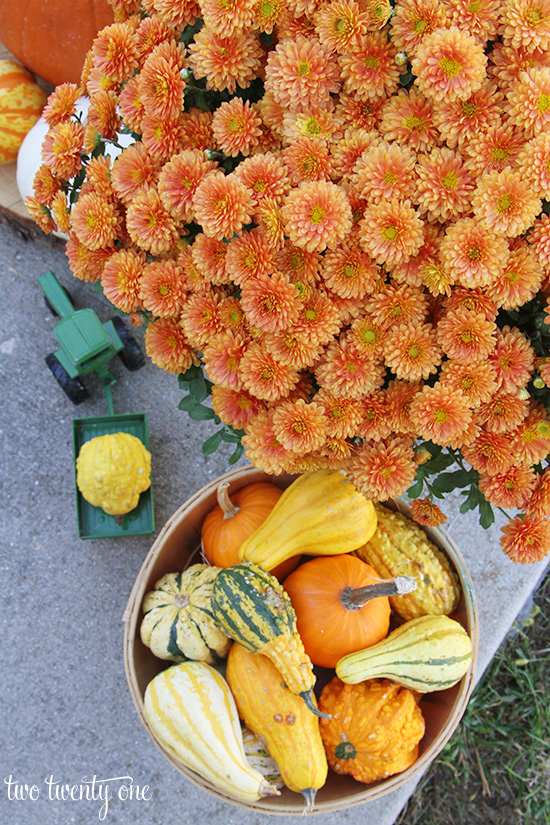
{"points": [[21, 104], [340, 606], [235, 519]]}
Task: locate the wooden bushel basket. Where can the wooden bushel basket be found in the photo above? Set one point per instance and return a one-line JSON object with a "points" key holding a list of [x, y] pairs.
{"points": [[178, 540]]}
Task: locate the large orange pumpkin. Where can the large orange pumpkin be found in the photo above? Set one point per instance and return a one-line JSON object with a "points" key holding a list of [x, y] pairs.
{"points": [[52, 37], [21, 103], [338, 607]]}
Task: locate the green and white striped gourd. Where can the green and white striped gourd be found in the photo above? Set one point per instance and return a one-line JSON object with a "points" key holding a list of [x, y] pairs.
{"points": [[191, 712], [425, 654], [251, 606], [178, 623]]}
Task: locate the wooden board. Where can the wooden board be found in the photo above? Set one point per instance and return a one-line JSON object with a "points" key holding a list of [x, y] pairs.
{"points": [[12, 208]]}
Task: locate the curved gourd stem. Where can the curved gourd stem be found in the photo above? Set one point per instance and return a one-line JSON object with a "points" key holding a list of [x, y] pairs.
{"points": [[267, 789], [355, 598], [306, 696], [309, 795], [229, 509]]}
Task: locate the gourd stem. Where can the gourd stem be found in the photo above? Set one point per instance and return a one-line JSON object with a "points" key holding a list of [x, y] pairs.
{"points": [[229, 509], [310, 704], [309, 795], [355, 598]]}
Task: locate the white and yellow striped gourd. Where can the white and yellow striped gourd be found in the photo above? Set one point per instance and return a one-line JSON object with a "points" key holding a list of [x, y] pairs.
{"points": [[192, 713]]}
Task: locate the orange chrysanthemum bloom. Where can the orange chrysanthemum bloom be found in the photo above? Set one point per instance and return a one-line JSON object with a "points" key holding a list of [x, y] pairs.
{"points": [[385, 171], [261, 445], [449, 63], [61, 213], [340, 23], [529, 101], [427, 513], [474, 256], [344, 372], [264, 376], [149, 225], [200, 318], [62, 147], [41, 214], [302, 267], [435, 278], [161, 85], [236, 127], [521, 279], [399, 396], [335, 453], [374, 424], [299, 426], [98, 175], [103, 117], [489, 453], [384, 469], [357, 114], [534, 164], [464, 118], [267, 15], [440, 414], [162, 137], [162, 288], [349, 272], [539, 503], [512, 488], [503, 413], [526, 539], [292, 349], [235, 408], [121, 279], [225, 62], [322, 124], [248, 256], [526, 24], [531, 441], [342, 415], [95, 221], [307, 159], [493, 149], [506, 63], [86, 264], [408, 272], [397, 305], [367, 336], [317, 215], [444, 185], [150, 33], [231, 315], [346, 152], [391, 232], [539, 237], [477, 380], [178, 181], [411, 351], [414, 20], [197, 129], [209, 256], [270, 303], [408, 119], [480, 18], [194, 277], [225, 17], [176, 13], [301, 73], [475, 300], [167, 346], [265, 176], [268, 216], [134, 170], [45, 185], [61, 103], [115, 53], [368, 67], [318, 319], [222, 357], [222, 205], [513, 359], [466, 335], [505, 203]]}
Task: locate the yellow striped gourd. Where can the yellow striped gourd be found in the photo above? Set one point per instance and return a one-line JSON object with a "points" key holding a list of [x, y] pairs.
{"points": [[425, 654], [192, 713], [320, 514], [252, 608]]}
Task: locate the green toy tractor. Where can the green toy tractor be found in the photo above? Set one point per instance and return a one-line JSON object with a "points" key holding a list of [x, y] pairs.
{"points": [[87, 345]]}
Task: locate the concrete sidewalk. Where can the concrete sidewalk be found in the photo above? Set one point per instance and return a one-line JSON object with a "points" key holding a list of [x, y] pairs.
{"points": [[66, 710]]}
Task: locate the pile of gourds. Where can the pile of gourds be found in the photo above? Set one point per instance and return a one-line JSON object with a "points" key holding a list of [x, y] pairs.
{"points": [[366, 566]]}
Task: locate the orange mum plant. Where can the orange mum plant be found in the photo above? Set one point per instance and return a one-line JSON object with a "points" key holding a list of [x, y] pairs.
{"points": [[333, 218]]}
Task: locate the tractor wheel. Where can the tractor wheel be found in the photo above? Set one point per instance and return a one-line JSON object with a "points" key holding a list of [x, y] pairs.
{"points": [[73, 388], [131, 356]]}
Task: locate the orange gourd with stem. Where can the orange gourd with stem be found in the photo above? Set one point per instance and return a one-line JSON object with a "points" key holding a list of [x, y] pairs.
{"points": [[341, 605], [236, 518]]}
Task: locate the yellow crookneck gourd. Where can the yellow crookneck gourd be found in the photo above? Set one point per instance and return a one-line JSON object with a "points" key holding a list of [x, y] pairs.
{"points": [[272, 711], [319, 514], [112, 471]]}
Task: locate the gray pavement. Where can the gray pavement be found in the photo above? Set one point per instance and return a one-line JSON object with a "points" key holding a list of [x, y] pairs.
{"points": [[65, 710]]}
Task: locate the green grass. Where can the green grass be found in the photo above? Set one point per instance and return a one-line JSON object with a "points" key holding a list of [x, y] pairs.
{"points": [[496, 767]]}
